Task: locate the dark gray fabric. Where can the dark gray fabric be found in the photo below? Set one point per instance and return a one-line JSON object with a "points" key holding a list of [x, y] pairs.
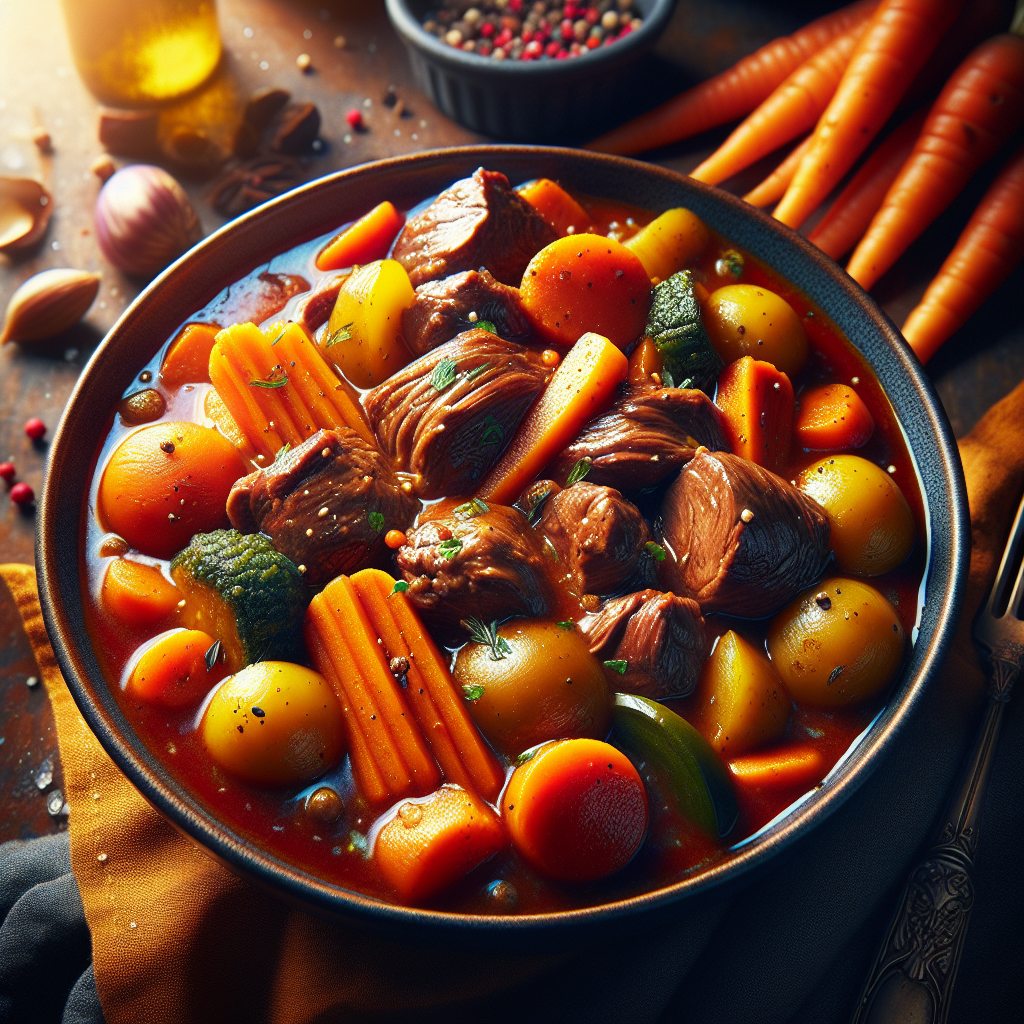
{"points": [[44, 940]]}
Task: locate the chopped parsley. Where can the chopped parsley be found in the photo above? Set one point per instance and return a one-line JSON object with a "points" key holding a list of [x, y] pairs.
{"points": [[578, 472], [341, 334], [277, 378], [400, 587], [486, 325], [566, 624], [450, 548], [470, 374], [617, 666], [656, 551], [279, 337], [283, 451], [444, 373], [472, 691], [471, 508], [484, 633], [376, 521]]}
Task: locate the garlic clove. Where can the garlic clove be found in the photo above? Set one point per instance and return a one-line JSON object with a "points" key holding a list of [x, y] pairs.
{"points": [[25, 209], [48, 303]]}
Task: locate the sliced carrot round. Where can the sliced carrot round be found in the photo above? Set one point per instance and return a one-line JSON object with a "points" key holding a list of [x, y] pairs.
{"points": [[577, 810], [173, 671], [831, 417], [137, 594]]}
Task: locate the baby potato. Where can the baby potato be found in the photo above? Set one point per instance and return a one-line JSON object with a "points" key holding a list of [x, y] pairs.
{"points": [[748, 320], [840, 642], [545, 686], [166, 482], [872, 525], [742, 702], [274, 723]]}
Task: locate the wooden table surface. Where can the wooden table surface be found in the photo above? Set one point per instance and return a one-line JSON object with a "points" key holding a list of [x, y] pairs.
{"points": [[262, 39]]}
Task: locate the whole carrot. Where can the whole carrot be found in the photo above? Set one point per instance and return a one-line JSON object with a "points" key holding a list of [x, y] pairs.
{"points": [[986, 252], [734, 92], [772, 189], [792, 109], [977, 112], [899, 39], [849, 216]]}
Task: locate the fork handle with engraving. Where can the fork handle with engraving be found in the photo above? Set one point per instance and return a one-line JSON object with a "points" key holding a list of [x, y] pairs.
{"points": [[914, 972]]}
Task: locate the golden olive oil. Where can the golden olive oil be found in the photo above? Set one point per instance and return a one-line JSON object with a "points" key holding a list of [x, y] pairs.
{"points": [[133, 53]]}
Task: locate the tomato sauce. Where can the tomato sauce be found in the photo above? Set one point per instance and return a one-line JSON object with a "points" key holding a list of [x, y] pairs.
{"points": [[275, 820]]}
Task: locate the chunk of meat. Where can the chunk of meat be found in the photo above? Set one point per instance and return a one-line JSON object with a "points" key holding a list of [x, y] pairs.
{"points": [[485, 563], [256, 300], [326, 504], [446, 417], [477, 222], [646, 435], [738, 538], [314, 309], [661, 637], [443, 308], [599, 537]]}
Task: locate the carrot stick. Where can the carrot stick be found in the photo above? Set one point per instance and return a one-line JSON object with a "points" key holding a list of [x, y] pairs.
{"points": [[734, 92], [390, 758], [849, 216], [772, 189], [367, 240], [581, 388], [440, 713], [986, 252], [976, 113], [779, 768], [899, 39], [792, 109], [277, 387]]}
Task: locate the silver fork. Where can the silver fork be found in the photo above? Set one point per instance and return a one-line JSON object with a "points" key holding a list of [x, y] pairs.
{"points": [[914, 972]]}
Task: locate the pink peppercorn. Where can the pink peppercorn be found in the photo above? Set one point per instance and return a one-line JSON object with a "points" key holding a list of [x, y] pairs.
{"points": [[567, 28], [515, 5], [487, 30], [22, 494], [571, 11], [527, 36], [592, 15], [355, 119], [593, 43], [552, 49], [35, 428], [7, 472]]}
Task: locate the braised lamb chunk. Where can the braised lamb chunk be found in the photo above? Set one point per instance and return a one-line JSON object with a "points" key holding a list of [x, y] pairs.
{"points": [[477, 222], [599, 537], [661, 637], [480, 560], [443, 309], [446, 417], [326, 504], [646, 435], [738, 538]]}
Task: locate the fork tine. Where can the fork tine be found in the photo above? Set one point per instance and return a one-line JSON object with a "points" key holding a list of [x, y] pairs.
{"points": [[1002, 583]]}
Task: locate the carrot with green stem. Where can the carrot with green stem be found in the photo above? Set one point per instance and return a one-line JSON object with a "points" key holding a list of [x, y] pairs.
{"points": [[793, 108], [772, 189], [987, 251], [849, 216], [733, 93], [900, 38], [976, 113]]}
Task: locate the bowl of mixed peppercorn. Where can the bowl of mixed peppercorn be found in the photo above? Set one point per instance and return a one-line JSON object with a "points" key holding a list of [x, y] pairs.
{"points": [[528, 70]]}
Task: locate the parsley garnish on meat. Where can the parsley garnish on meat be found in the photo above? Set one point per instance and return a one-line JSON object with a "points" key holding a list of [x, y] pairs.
{"points": [[481, 632], [400, 587], [472, 691], [450, 548], [656, 551], [675, 327], [618, 666], [578, 472], [376, 521], [470, 374], [486, 325], [444, 373], [471, 508], [282, 451], [567, 624]]}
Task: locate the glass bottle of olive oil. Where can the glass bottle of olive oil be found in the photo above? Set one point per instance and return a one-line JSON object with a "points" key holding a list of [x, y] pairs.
{"points": [[137, 52]]}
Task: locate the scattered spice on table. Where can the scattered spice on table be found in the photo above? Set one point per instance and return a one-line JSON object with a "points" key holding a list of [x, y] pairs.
{"points": [[543, 30]]}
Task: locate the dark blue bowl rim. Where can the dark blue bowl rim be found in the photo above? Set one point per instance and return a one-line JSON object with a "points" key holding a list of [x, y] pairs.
{"points": [[929, 437], [515, 72]]}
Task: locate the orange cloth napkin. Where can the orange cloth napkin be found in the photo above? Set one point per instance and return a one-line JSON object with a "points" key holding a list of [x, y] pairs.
{"points": [[178, 937]]}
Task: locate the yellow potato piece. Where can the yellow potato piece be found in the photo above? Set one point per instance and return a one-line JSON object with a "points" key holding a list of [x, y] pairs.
{"points": [[669, 242], [748, 320], [274, 723], [838, 643], [872, 525], [364, 334], [742, 702]]}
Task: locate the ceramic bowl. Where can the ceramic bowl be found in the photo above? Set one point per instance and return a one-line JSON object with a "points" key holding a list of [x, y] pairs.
{"points": [[527, 101], [251, 241]]}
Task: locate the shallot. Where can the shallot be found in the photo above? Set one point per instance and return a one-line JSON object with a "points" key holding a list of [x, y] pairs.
{"points": [[144, 220]]}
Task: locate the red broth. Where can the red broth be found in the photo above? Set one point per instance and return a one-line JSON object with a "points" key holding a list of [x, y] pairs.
{"points": [[274, 818]]}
